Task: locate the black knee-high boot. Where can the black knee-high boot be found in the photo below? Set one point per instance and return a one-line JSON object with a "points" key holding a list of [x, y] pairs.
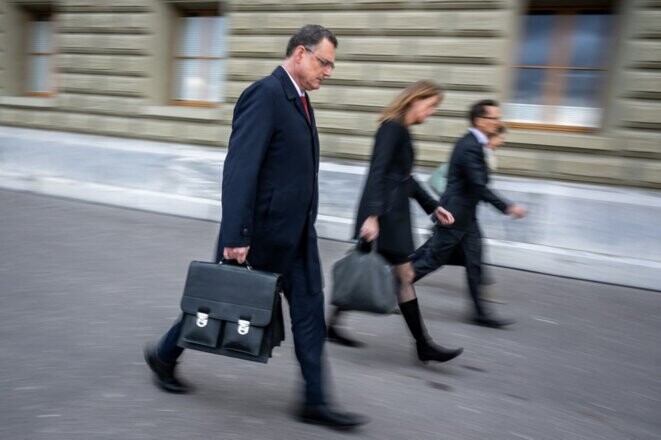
{"points": [[427, 350]]}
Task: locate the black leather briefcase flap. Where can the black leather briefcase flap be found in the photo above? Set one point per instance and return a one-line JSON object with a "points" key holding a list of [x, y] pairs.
{"points": [[231, 310]]}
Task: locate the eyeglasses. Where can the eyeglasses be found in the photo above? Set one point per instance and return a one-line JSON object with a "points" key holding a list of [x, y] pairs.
{"points": [[322, 62], [493, 118]]}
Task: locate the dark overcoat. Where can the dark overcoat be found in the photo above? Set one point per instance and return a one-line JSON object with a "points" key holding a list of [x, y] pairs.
{"points": [[270, 178], [388, 188]]}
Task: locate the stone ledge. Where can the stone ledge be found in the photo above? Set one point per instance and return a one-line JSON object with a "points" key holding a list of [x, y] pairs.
{"points": [[388, 49], [344, 5], [218, 114], [28, 102], [481, 77]]}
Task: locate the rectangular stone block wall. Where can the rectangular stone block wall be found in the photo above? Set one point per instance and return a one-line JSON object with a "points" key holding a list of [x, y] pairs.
{"points": [[111, 80]]}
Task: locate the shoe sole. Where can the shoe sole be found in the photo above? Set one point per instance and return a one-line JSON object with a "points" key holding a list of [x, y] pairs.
{"points": [[483, 324], [455, 355], [345, 344], [329, 425], [494, 300]]}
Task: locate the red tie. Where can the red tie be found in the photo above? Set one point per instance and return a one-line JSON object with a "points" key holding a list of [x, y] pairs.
{"points": [[305, 106]]}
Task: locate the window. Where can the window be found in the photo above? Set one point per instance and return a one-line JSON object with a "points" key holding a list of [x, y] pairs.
{"points": [[39, 79], [561, 68], [199, 61]]}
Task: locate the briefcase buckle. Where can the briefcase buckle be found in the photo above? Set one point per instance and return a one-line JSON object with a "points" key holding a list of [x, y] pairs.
{"points": [[202, 319], [244, 327]]}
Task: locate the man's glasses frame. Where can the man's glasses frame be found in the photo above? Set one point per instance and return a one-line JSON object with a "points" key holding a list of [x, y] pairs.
{"points": [[324, 63]]}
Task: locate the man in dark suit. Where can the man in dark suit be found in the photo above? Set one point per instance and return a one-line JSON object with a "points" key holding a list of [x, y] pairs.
{"points": [[468, 175], [269, 202]]}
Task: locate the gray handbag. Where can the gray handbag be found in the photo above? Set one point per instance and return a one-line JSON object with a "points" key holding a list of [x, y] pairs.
{"points": [[439, 179], [364, 281]]}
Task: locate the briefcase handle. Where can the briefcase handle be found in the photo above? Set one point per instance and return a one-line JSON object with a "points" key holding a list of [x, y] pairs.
{"points": [[236, 263]]}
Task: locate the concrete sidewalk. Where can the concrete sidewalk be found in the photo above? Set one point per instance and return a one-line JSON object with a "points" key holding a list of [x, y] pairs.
{"points": [[588, 232]]}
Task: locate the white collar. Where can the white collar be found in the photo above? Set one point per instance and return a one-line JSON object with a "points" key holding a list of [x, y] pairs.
{"points": [[481, 137], [294, 82]]}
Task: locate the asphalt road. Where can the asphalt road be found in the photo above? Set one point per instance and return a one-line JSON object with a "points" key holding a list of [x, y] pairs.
{"points": [[83, 287]]}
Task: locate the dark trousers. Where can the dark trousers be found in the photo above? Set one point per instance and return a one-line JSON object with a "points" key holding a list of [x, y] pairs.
{"points": [[440, 248], [306, 309]]}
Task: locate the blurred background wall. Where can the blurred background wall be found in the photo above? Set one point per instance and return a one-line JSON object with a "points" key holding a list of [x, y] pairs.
{"points": [[580, 80]]}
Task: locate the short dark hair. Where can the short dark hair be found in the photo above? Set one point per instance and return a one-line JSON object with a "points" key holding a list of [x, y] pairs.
{"points": [[479, 109], [309, 36]]}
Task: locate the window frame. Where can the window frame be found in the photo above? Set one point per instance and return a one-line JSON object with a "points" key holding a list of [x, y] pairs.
{"points": [[186, 12], [36, 16], [560, 38]]}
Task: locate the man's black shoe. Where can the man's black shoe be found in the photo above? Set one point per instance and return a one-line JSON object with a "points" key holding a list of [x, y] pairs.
{"points": [[326, 416], [164, 376], [342, 339], [491, 321]]}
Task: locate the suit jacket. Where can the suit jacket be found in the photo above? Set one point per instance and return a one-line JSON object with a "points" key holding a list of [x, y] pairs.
{"points": [[389, 186], [270, 188], [468, 176]]}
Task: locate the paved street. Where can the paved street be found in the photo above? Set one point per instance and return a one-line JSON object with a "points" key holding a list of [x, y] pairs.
{"points": [[84, 286]]}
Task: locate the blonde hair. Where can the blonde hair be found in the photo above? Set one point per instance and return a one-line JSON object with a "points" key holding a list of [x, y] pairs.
{"points": [[397, 109]]}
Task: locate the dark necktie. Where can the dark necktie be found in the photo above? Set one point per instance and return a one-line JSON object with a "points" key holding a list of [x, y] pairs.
{"points": [[305, 106]]}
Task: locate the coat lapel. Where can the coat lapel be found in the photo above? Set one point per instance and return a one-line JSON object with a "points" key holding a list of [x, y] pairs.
{"points": [[301, 110], [312, 123], [480, 150], [292, 94]]}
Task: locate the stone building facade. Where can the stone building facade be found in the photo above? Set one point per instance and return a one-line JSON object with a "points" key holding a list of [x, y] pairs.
{"points": [[127, 68]]}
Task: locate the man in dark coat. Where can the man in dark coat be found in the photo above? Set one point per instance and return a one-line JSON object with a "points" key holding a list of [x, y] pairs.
{"points": [[269, 201], [467, 180]]}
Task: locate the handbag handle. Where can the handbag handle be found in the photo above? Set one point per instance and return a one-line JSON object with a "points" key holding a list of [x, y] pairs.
{"points": [[361, 245]]}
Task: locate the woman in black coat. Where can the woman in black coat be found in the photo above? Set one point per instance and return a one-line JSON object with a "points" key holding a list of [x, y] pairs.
{"points": [[384, 212]]}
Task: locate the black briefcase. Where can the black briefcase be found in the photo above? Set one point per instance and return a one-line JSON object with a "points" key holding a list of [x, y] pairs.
{"points": [[232, 311]]}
